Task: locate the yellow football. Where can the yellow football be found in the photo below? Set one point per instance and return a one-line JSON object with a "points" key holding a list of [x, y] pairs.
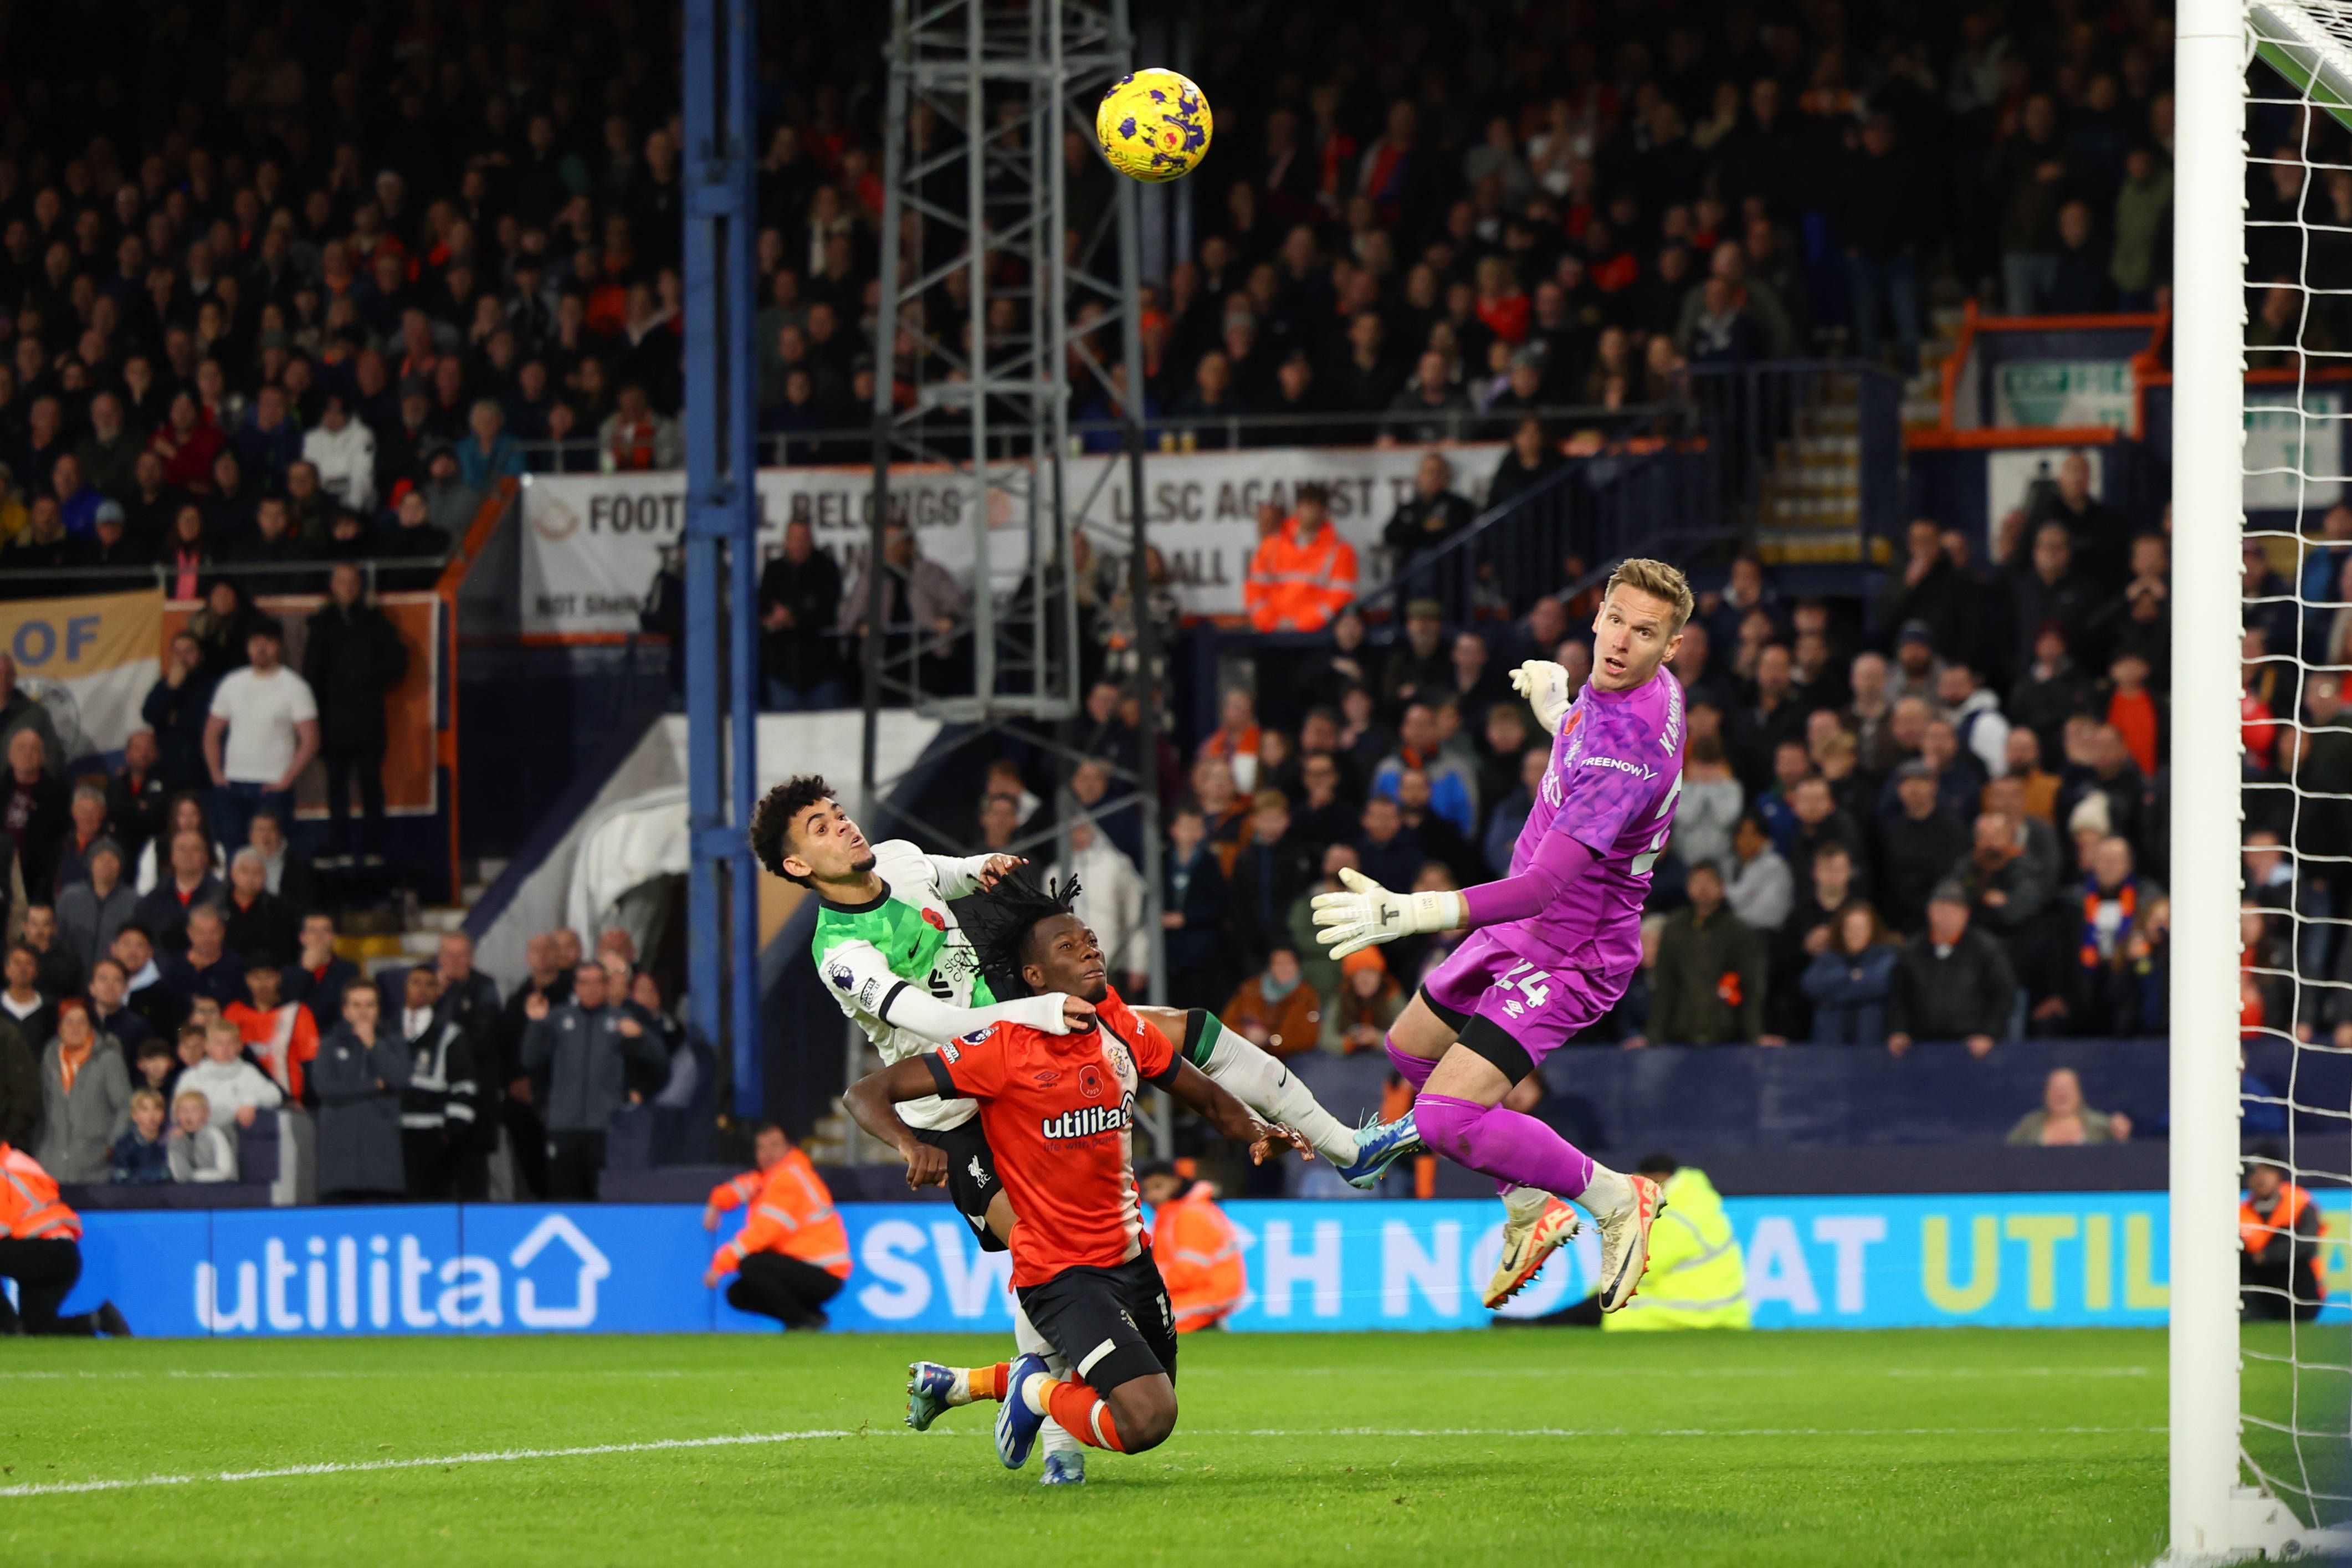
{"points": [[1153, 125]]}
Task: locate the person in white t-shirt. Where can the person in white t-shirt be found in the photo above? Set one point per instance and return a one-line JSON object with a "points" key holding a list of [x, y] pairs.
{"points": [[263, 732]]}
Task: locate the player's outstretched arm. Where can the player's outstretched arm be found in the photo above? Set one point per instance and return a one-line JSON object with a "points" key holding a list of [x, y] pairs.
{"points": [[1367, 914], [1229, 1116], [961, 875], [871, 1099], [920, 1012]]}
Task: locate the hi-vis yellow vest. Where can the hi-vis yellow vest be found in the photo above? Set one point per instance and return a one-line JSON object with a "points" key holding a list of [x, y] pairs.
{"points": [[1696, 1277]]}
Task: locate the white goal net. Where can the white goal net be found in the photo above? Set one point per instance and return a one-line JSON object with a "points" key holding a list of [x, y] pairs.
{"points": [[2261, 413]]}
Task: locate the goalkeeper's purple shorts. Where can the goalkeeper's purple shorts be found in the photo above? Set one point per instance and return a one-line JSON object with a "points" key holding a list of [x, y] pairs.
{"points": [[1541, 1009]]}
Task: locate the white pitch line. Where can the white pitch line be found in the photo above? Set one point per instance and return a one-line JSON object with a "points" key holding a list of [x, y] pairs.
{"points": [[747, 1440], [494, 1456]]}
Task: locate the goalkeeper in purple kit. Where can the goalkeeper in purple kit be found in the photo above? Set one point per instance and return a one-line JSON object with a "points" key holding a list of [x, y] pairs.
{"points": [[1555, 942]]}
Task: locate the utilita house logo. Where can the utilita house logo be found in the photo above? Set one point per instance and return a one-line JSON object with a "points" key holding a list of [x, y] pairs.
{"points": [[373, 1282]]}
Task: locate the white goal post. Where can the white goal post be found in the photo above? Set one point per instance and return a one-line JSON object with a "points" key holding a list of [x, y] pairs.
{"points": [[2219, 1509]]}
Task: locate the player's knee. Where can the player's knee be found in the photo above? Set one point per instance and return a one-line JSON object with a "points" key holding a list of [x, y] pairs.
{"points": [[1145, 1411]]}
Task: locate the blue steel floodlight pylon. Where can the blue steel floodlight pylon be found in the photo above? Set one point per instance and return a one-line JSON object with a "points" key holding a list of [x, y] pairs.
{"points": [[720, 109]]}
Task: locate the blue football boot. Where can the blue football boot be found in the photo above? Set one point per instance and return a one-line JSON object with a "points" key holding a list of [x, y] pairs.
{"points": [[1016, 1423], [1379, 1146]]}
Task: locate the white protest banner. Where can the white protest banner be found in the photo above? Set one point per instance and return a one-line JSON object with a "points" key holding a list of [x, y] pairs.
{"points": [[592, 543]]}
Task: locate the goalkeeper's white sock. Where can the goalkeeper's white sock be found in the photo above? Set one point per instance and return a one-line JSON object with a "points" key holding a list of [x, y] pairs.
{"points": [[1054, 1434], [1526, 1204], [1261, 1083], [1608, 1192]]}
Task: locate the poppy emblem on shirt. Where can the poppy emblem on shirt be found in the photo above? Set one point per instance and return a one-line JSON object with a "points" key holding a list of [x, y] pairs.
{"points": [[935, 920], [1090, 1081]]}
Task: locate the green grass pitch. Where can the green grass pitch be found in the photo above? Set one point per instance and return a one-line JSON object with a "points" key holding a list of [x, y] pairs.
{"points": [[1528, 1446]]}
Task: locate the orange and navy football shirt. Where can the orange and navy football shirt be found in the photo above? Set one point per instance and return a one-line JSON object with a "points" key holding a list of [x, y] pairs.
{"points": [[1059, 1112]]}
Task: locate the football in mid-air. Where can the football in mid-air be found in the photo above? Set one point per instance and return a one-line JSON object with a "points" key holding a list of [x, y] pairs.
{"points": [[1153, 125]]}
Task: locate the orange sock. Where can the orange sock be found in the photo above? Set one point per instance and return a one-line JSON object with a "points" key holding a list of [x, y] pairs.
{"points": [[1083, 1414], [987, 1382]]}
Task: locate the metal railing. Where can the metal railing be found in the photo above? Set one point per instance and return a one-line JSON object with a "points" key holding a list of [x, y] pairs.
{"points": [[1752, 411], [385, 574], [1164, 434]]}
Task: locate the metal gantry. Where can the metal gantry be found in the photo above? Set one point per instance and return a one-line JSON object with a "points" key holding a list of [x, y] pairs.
{"points": [[1002, 309]]}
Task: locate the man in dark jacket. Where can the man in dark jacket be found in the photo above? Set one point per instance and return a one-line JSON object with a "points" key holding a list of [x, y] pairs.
{"points": [[135, 794], [318, 978], [547, 979], [1954, 984], [800, 595], [1708, 986], [1935, 591], [20, 1087], [1433, 514], [175, 709], [1275, 867], [587, 1046], [352, 659], [1918, 847], [360, 1075]]}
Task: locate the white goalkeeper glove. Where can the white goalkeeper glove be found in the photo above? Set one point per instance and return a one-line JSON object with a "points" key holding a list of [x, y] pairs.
{"points": [[1545, 686], [1369, 914]]}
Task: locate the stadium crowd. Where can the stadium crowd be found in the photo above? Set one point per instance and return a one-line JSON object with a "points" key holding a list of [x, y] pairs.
{"points": [[300, 287]]}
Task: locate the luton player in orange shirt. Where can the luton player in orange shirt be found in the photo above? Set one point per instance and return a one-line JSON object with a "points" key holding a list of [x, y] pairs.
{"points": [[1059, 1111]]}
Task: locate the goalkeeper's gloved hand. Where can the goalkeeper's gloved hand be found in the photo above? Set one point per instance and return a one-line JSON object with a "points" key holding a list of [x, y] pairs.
{"points": [[1369, 914], [1545, 686]]}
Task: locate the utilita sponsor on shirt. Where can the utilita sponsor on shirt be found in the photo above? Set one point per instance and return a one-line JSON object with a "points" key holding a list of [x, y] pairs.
{"points": [[1089, 1120]]}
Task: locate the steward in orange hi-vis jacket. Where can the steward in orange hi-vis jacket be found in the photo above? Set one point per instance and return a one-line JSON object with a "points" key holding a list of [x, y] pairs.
{"points": [[791, 1255], [40, 1249], [1303, 573], [1199, 1250]]}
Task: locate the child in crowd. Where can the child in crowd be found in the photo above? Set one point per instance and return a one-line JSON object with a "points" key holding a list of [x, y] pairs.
{"points": [[140, 1155], [232, 1086], [199, 1151], [160, 1061]]}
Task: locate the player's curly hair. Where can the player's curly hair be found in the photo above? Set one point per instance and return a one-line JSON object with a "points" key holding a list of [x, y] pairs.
{"points": [[772, 820], [999, 922]]}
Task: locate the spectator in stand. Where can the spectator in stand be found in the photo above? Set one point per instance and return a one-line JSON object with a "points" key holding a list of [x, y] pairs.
{"points": [[1274, 868], [1236, 737], [1302, 575], [285, 874], [2034, 174], [259, 922], [60, 973], [800, 598], [135, 794], [1386, 850], [438, 1108], [85, 1096], [635, 438], [319, 978], [1366, 1002], [487, 453], [236, 1091], [2063, 1118], [1918, 845], [1880, 195], [1425, 520], [342, 450], [1511, 814], [1420, 668], [207, 970], [2106, 992], [143, 991], [183, 813], [1452, 790], [351, 659], [262, 731], [1975, 716], [141, 1156], [35, 815], [110, 1014], [1760, 890], [20, 712], [197, 1151], [86, 825], [188, 886], [20, 1085], [1851, 984], [1430, 408], [2050, 690], [1276, 1009], [175, 710], [1771, 717], [358, 1078], [586, 1046], [1953, 984], [1821, 821], [22, 1001], [2047, 590], [281, 1036], [1708, 986], [1194, 923], [1110, 900]]}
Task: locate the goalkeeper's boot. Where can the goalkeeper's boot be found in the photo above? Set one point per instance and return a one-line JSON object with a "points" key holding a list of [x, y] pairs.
{"points": [[1016, 1423], [928, 1386], [1064, 1469], [1625, 1241], [1379, 1146], [1525, 1245]]}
